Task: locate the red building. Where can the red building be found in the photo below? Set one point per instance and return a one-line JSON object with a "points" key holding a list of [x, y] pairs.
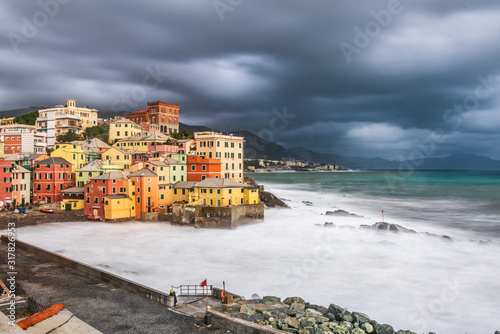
{"points": [[12, 143], [5, 182], [200, 168], [112, 183], [50, 177], [163, 115]]}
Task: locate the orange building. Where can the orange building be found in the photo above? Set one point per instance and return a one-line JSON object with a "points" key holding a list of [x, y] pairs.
{"points": [[200, 168], [146, 191], [162, 114]]}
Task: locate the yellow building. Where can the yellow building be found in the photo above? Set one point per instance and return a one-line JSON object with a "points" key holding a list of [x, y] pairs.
{"points": [[1, 148], [118, 156], [215, 192], [121, 128], [73, 199], [118, 206], [225, 147], [144, 141], [71, 153]]}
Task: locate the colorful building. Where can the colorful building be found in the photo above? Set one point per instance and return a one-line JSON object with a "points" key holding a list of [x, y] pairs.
{"points": [[178, 170], [21, 185], [200, 168], [92, 148], [22, 138], [70, 152], [121, 128], [118, 156], [165, 115], [144, 141], [73, 199], [146, 191], [215, 193], [5, 182], [110, 196], [227, 148], [94, 169], [51, 176]]}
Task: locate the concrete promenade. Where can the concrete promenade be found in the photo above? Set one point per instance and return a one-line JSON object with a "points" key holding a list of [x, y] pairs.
{"points": [[103, 306]]}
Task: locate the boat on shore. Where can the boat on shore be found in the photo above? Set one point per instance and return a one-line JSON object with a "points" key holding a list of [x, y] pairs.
{"points": [[46, 210]]}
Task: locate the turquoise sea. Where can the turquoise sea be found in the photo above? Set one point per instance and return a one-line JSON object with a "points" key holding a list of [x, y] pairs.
{"points": [[468, 200]]}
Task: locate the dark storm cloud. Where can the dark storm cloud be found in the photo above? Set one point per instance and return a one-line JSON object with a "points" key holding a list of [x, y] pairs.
{"points": [[365, 78]]}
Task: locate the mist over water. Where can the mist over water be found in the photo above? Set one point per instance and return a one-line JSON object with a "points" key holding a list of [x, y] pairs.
{"points": [[411, 281]]}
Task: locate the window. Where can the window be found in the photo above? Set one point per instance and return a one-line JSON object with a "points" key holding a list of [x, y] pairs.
{"points": [[193, 167], [88, 199], [113, 190], [184, 191], [203, 177], [230, 191], [211, 191], [48, 187], [203, 167], [38, 187], [162, 196], [149, 189], [218, 191], [96, 200], [138, 199], [48, 176]]}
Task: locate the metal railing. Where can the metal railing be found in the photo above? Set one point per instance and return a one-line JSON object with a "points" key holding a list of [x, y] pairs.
{"points": [[195, 290]]}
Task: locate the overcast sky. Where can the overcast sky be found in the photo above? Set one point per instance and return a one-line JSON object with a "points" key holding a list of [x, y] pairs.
{"points": [[396, 79]]}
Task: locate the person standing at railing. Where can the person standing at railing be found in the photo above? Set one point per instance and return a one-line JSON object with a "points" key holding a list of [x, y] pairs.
{"points": [[172, 293]]}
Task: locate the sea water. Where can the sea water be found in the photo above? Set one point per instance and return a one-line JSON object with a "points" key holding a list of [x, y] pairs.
{"points": [[418, 281]]}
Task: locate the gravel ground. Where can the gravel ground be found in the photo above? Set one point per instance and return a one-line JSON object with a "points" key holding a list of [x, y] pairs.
{"points": [[106, 308]]}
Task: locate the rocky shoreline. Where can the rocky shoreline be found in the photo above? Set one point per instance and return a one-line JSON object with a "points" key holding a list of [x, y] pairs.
{"points": [[294, 315]]}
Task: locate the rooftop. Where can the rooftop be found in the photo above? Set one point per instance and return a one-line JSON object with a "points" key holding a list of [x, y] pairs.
{"points": [[112, 176], [143, 172]]}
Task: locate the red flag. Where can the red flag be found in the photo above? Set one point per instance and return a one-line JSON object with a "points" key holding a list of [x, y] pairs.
{"points": [[204, 283]]}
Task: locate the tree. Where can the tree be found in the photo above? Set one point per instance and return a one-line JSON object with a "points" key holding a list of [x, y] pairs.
{"points": [[98, 131], [29, 118], [185, 134], [68, 137]]}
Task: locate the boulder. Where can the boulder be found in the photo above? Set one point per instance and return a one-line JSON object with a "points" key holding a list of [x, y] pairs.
{"points": [[383, 328], [330, 316], [367, 327], [291, 322], [347, 317], [248, 309], [272, 299], [404, 332], [337, 311], [313, 313], [357, 331], [329, 224], [336, 329], [346, 325], [360, 318], [297, 307], [291, 300]]}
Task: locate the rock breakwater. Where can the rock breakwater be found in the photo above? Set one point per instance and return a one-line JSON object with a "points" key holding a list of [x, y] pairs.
{"points": [[294, 315]]}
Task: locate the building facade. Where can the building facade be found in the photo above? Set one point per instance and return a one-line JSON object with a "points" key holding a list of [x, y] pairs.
{"points": [[200, 168], [121, 128], [65, 118], [162, 114], [50, 177], [227, 148], [23, 139]]}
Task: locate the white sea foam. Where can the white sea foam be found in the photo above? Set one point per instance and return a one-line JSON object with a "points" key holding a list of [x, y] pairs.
{"points": [[411, 281]]}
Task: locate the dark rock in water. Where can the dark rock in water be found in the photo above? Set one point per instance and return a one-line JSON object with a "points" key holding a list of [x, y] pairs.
{"points": [[342, 213], [272, 299], [446, 237], [497, 332], [318, 225], [307, 203], [255, 296], [360, 318], [270, 200], [391, 227], [365, 227], [404, 332], [329, 224]]}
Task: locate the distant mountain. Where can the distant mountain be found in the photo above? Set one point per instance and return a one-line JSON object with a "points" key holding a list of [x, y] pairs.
{"points": [[459, 161], [18, 112], [259, 148], [193, 128]]}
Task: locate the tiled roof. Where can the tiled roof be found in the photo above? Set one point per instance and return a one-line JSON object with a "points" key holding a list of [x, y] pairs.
{"points": [[54, 161], [112, 176], [19, 169], [143, 172], [220, 183], [184, 184], [117, 196], [96, 164], [74, 190]]}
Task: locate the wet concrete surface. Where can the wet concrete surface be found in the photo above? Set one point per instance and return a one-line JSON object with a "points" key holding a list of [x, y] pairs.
{"points": [[103, 306]]}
